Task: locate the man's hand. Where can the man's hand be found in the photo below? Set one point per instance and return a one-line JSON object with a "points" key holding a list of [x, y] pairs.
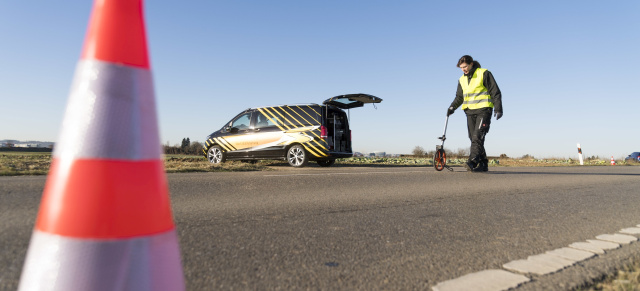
{"points": [[497, 115], [450, 111]]}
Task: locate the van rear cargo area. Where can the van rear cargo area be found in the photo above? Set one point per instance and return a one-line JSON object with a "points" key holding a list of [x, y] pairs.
{"points": [[338, 137]]}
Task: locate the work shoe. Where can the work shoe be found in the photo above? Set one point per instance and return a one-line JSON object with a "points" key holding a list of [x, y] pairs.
{"points": [[482, 167], [470, 165]]}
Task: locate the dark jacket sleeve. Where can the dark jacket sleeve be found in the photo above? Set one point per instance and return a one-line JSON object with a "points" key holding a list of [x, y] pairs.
{"points": [[459, 98], [494, 91]]}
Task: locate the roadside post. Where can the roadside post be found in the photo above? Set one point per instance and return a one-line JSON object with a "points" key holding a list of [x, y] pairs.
{"points": [[580, 155]]}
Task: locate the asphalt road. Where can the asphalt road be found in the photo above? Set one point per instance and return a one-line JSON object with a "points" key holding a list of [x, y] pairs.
{"points": [[369, 228]]}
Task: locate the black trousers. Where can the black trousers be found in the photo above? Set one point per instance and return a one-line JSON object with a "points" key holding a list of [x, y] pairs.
{"points": [[478, 123]]}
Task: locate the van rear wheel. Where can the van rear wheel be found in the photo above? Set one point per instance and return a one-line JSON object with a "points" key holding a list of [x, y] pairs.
{"points": [[297, 157], [326, 163]]}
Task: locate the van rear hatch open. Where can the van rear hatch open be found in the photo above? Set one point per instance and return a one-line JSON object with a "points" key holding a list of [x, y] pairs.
{"points": [[349, 101]]}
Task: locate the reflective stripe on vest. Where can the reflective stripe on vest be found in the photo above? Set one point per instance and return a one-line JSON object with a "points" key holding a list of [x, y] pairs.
{"points": [[475, 94]]}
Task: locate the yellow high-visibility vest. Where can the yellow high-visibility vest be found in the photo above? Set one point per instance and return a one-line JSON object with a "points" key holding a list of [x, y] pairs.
{"points": [[476, 95]]}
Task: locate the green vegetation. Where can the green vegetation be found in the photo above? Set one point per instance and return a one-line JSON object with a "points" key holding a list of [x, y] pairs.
{"points": [[627, 279], [187, 163], [37, 163], [24, 163], [28, 163]]}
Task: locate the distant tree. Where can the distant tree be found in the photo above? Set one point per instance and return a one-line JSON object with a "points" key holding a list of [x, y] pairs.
{"points": [[418, 151], [195, 148], [185, 143], [462, 152]]}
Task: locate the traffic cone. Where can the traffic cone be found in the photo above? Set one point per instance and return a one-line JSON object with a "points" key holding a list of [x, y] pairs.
{"points": [[105, 220], [613, 162]]}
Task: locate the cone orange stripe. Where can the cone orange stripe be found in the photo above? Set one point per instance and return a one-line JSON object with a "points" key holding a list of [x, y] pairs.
{"points": [[117, 34], [105, 199]]}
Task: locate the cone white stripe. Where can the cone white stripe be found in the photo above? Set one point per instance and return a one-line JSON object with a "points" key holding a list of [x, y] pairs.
{"points": [[104, 114], [143, 263]]}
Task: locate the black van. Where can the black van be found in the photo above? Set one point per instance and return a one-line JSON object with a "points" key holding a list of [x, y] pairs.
{"points": [[295, 133]]}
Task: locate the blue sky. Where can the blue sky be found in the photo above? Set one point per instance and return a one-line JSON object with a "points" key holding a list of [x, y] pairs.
{"points": [[567, 69]]}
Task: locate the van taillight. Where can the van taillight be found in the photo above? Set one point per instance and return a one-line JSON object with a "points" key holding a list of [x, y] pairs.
{"points": [[323, 132]]}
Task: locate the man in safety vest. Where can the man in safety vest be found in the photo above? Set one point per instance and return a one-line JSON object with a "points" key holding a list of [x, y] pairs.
{"points": [[479, 95]]}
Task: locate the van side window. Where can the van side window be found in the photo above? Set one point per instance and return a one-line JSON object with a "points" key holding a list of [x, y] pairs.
{"points": [[242, 122], [263, 121]]}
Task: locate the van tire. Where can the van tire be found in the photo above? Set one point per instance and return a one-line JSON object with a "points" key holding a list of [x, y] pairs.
{"points": [[297, 157], [326, 163], [216, 155]]}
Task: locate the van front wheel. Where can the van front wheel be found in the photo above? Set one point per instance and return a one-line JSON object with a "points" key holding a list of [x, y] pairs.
{"points": [[215, 155], [326, 163], [297, 157]]}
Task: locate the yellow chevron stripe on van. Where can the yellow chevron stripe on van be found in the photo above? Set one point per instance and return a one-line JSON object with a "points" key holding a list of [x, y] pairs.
{"points": [[223, 143], [215, 140], [312, 109], [308, 148], [271, 116], [284, 117], [291, 115], [313, 131], [228, 143], [323, 147], [273, 120], [305, 120]]}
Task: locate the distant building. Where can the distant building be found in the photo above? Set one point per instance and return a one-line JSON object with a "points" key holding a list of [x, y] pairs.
{"points": [[27, 145]]}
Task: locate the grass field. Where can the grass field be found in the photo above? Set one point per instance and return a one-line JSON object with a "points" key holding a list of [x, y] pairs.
{"points": [[37, 163]]}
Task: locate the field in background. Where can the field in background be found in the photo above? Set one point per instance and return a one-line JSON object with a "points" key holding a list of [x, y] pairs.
{"points": [[37, 163]]}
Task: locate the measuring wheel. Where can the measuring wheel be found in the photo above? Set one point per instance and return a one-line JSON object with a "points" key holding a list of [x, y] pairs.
{"points": [[439, 159]]}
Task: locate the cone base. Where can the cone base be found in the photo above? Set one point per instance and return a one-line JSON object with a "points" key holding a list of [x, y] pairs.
{"points": [[60, 263]]}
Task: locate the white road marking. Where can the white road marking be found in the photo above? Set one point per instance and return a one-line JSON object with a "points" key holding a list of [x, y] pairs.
{"points": [[487, 280], [618, 238]]}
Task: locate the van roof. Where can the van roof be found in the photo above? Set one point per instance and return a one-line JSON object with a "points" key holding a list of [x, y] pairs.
{"points": [[301, 104]]}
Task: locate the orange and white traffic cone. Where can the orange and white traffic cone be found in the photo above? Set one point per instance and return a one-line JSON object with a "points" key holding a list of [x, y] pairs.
{"points": [[105, 220], [613, 162]]}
